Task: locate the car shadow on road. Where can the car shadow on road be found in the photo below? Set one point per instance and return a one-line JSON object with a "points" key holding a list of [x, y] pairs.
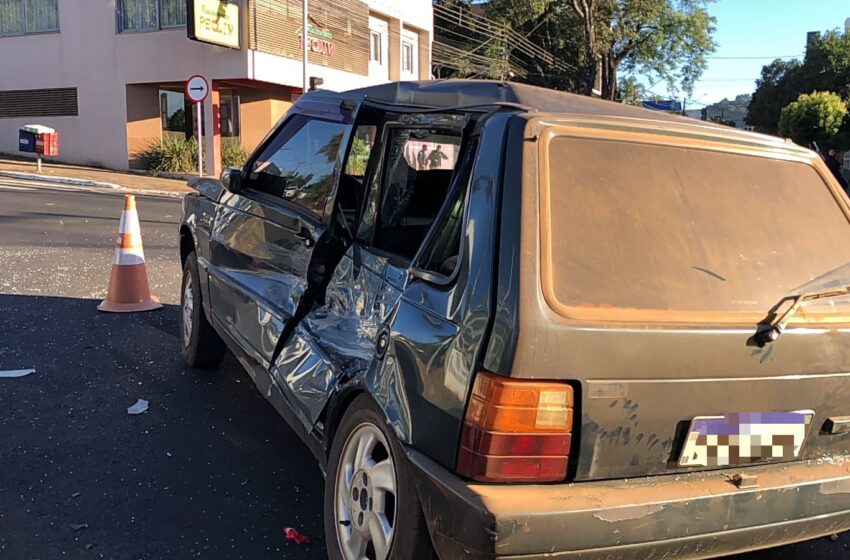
{"points": [[209, 470]]}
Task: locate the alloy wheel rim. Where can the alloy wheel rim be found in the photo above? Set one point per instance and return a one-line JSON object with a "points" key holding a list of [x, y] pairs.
{"points": [[365, 497], [188, 307]]}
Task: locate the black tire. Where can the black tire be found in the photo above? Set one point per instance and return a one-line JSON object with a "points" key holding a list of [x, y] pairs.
{"points": [[410, 538], [202, 348]]}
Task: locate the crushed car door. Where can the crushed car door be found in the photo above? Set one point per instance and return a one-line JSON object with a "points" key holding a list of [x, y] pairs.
{"points": [[267, 240], [339, 340]]}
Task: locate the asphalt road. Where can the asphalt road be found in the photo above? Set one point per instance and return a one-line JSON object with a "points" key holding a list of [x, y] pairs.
{"points": [[209, 471]]}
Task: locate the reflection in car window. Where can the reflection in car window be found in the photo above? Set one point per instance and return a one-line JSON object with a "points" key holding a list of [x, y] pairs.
{"points": [[361, 148], [300, 164]]}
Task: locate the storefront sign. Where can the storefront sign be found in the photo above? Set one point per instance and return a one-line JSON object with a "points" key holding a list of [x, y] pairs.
{"points": [[319, 40], [215, 22]]}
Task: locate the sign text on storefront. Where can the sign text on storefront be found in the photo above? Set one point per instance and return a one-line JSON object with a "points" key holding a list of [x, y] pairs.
{"points": [[214, 21]]}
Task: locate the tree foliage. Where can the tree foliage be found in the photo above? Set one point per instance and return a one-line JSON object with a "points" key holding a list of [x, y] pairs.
{"points": [[815, 117], [669, 39], [826, 67], [596, 41]]}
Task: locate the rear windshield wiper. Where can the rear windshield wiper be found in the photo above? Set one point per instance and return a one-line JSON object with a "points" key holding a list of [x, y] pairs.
{"points": [[770, 331]]}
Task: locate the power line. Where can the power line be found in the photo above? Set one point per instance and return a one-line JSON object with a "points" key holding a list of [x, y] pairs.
{"points": [[755, 57], [475, 24]]}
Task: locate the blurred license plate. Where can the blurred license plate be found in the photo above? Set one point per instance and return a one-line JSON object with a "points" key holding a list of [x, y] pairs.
{"points": [[745, 437]]}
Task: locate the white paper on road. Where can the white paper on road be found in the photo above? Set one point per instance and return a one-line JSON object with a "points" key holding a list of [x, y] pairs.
{"points": [[140, 406], [16, 372]]}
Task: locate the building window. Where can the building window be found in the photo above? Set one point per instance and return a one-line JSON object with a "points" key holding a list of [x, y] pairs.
{"points": [[177, 115], [407, 57], [150, 15], [18, 17], [375, 47], [229, 114]]}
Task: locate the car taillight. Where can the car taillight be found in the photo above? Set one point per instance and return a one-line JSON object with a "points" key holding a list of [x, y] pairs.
{"points": [[516, 430]]}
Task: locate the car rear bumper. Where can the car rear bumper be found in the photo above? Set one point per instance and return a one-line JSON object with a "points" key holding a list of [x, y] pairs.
{"points": [[695, 515]]}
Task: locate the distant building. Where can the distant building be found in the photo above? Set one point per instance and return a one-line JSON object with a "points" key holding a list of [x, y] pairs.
{"points": [[109, 75]]}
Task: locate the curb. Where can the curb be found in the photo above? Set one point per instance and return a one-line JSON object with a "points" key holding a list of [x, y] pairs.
{"points": [[59, 180], [87, 183]]}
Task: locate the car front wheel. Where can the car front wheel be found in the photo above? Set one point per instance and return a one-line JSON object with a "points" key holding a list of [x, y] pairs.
{"points": [[372, 510], [200, 344]]}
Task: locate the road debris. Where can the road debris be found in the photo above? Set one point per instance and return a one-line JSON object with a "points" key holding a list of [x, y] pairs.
{"points": [[75, 495], [78, 526], [138, 408], [16, 372], [293, 535]]}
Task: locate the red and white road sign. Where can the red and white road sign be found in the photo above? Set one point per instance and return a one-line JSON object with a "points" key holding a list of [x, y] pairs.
{"points": [[197, 88]]}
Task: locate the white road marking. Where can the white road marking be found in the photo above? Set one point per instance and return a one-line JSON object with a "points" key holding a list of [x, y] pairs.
{"points": [[8, 184], [16, 372]]}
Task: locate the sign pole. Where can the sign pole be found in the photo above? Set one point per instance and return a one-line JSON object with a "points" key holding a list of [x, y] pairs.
{"points": [[200, 107], [304, 41], [197, 89]]}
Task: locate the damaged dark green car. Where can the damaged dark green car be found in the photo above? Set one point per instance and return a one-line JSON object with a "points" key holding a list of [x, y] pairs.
{"points": [[516, 323]]}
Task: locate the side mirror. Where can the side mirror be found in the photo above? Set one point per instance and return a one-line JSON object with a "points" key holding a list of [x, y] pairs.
{"points": [[231, 179]]}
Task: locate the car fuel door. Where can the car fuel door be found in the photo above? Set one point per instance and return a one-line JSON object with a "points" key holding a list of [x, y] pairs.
{"points": [[270, 237]]}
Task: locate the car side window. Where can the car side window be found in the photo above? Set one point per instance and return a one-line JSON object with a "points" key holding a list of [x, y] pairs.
{"points": [[418, 169], [443, 250], [300, 164]]}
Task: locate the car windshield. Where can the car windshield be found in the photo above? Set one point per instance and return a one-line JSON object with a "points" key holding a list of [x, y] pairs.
{"points": [[677, 233]]}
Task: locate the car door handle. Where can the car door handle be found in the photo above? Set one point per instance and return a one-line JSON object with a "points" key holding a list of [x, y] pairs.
{"points": [[305, 236]]}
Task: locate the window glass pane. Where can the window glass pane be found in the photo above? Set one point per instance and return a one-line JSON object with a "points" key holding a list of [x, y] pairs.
{"points": [[413, 193], [138, 14], [676, 229], [361, 148], [407, 57], [375, 44], [175, 117], [229, 111], [11, 17], [172, 13], [443, 253], [42, 15], [300, 166]]}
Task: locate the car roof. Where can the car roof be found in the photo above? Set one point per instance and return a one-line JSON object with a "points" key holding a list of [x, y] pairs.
{"points": [[525, 99], [447, 94]]}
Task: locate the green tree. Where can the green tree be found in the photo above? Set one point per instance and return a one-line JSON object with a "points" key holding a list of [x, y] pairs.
{"points": [[630, 91], [777, 86], [666, 38], [826, 67], [815, 117]]}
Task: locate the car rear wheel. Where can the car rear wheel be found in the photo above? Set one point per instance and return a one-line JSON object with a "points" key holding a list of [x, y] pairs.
{"points": [[372, 510], [201, 346]]}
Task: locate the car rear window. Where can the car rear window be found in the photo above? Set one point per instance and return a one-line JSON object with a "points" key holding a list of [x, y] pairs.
{"points": [[638, 230]]}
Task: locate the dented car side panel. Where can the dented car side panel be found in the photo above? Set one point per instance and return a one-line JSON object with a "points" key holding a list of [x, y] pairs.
{"points": [[336, 341], [434, 333]]}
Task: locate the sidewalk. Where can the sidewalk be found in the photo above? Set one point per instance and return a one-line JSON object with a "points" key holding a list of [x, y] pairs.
{"points": [[130, 182]]}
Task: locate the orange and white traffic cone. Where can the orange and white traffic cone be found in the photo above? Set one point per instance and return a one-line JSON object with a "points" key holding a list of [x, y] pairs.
{"points": [[128, 285]]}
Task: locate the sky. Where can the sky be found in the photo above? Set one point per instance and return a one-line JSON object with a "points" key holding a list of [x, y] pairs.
{"points": [[759, 28]]}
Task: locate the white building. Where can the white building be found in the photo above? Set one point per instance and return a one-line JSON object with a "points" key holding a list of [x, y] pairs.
{"points": [[109, 75]]}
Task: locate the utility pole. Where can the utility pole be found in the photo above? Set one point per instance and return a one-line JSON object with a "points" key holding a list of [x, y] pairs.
{"points": [[304, 40]]}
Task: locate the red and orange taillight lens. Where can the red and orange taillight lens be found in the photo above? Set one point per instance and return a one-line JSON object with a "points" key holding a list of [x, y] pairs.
{"points": [[516, 430]]}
